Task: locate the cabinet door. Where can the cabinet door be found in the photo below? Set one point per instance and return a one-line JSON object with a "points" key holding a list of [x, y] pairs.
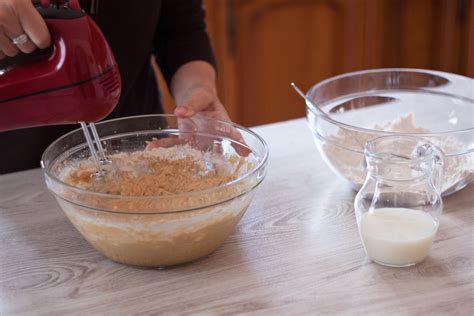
{"points": [[430, 34], [274, 42], [469, 40]]}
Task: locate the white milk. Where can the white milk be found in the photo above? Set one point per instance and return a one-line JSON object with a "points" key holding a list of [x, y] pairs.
{"points": [[397, 236]]}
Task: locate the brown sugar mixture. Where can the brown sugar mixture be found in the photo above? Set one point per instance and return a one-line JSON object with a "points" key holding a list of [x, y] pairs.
{"points": [[156, 172]]}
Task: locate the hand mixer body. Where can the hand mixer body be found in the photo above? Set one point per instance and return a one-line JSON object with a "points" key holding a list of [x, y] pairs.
{"points": [[78, 81]]}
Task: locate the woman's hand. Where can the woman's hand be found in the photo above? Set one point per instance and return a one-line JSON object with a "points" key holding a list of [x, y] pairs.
{"points": [[18, 17], [194, 89], [202, 101]]}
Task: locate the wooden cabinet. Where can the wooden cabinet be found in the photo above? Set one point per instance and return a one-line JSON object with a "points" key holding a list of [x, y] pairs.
{"points": [[269, 43], [263, 45], [432, 34]]}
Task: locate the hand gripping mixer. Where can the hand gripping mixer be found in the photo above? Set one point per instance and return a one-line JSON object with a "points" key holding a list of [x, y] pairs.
{"points": [[74, 80]]}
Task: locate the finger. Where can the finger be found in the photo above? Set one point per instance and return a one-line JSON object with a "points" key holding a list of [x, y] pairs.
{"points": [[190, 109], [33, 25], [219, 112], [200, 101], [216, 110], [2, 55], [13, 29], [187, 130], [181, 112], [26, 47], [6, 45], [164, 142], [238, 141], [242, 150]]}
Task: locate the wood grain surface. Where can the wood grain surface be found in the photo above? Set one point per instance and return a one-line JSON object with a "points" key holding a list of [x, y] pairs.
{"points": [[296, 251]]}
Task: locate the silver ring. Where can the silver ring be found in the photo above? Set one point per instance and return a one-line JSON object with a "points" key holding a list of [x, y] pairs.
{"points": [[20, 39]]}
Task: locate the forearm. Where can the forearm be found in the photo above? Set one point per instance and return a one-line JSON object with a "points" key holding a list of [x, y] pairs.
{"points": [[190, 76]]}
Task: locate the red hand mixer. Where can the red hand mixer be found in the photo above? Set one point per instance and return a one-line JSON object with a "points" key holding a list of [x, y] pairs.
{"points": [[74, 80]]}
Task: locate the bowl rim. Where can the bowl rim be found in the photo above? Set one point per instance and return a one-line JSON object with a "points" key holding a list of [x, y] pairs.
{"points": [[328, 118], [259, 166]]}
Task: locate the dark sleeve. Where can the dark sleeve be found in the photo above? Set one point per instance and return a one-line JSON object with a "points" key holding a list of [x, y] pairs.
{"points": [[181, 36]]}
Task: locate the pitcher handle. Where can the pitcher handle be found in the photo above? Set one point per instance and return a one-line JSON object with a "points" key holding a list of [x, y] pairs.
{"points": [[428, 148], [438, 168]]}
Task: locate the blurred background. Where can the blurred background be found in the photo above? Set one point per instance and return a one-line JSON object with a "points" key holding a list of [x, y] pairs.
{"points": [[263, 45]]}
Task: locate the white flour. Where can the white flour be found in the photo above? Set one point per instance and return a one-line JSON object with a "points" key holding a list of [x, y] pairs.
{"points": [[458, 165]]}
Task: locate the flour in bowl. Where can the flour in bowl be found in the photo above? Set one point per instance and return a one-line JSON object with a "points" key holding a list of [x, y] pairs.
{"points": [[458, 165]]}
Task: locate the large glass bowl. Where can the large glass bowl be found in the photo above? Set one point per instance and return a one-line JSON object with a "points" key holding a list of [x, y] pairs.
{"points": [[361, 106], [158, 230]]}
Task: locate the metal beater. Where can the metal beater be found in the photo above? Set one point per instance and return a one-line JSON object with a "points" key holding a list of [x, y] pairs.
{"points": [[106, 179]]}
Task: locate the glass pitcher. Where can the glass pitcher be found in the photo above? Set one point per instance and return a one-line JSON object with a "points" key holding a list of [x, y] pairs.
{"points": [[399, 205]]}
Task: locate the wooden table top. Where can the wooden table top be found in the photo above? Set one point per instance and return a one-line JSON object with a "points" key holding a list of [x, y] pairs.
{"points": [[296, 251]]}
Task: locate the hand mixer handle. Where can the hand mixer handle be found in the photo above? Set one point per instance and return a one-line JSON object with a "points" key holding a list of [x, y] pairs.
{"points": [[22, 58], [79, 81], [47, 11]]}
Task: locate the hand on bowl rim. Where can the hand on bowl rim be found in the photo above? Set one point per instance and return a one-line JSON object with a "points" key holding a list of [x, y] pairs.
{"points": [[201, 102]]}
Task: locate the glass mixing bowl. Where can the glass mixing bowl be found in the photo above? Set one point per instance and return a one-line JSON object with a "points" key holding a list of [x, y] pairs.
{"points": [[159, 230], [364, 105]]}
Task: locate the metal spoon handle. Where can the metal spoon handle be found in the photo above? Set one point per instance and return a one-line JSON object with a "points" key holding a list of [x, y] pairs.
{"points": [[298, 90], [324, 114]]}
